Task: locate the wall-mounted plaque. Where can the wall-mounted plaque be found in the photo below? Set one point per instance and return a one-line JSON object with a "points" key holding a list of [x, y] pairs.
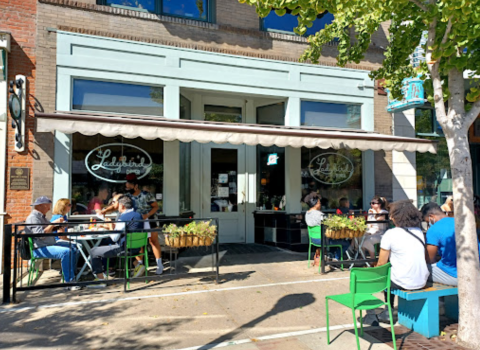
{"points": [[19, 178]]}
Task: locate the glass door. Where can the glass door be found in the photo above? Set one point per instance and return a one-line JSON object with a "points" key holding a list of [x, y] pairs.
{"points": [[224, 189]]}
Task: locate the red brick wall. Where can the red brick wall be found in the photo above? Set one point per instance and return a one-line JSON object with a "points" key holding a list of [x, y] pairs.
{"points": [[19, 18]]}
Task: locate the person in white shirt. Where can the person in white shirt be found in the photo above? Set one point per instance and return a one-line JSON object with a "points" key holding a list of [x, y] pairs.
{"points": [[404, 245]]}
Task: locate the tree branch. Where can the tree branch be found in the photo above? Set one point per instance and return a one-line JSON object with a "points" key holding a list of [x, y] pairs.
{"points": [[420, 5], [472, 114], [447, 31]]}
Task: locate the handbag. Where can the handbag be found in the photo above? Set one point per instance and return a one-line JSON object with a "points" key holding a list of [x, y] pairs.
{"points": [[24, 249]]}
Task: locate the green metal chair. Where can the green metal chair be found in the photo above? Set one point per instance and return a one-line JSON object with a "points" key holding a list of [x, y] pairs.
{"points": [[364, 282], [315, 232], [135, 240], [32, 265]]}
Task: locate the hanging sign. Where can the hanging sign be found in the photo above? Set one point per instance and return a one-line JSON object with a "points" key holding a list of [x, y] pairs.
{"points": [[331, 168], [273, 159], [113, 161], [413, 96]]}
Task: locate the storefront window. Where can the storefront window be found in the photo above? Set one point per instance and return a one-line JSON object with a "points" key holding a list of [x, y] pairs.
{"points": [[332, 115], [271, 114], [288, 22], [271, 178], [185, 176], [195, 9], [103, 96], [334, 174], [100, 165], [185, 108], [434, 178], [147, 5], [223, 114]]}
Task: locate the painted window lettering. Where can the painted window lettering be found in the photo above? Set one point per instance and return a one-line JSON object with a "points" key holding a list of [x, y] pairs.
{"points": [[331, 168], [113, 161]]}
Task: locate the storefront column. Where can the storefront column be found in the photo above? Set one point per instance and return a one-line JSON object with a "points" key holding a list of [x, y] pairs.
{"points": [[293, 160], [62, 162], [404, 163], [171, 151], [251, 174]]}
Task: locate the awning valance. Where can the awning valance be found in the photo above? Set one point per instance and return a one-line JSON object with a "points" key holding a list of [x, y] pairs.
{"points": [[149, 128]]}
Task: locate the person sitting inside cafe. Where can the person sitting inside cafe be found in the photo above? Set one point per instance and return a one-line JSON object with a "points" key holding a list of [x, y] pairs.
{"points": [[344, 207], [440, 241], [46, 247], [133, 222], [314, 217]]}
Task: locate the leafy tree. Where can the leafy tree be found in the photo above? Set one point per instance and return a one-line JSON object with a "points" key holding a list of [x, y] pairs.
{"points": [[452, 52]]}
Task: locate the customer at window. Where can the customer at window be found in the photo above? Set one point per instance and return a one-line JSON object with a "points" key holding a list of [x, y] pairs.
{"points": [[96, 203], [60, 210], [404, 245], [440, 241], [133, 221], [46, 247], [147, 206], [344, 207], [113, 206], [377, 212], [314, 217]]}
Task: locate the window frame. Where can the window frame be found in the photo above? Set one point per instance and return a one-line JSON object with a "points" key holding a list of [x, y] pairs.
{"points": [[211, 10], [433, 123], [336, 103]]}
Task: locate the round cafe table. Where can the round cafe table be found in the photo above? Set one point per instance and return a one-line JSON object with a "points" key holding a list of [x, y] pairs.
{"points": [[87, 243]]}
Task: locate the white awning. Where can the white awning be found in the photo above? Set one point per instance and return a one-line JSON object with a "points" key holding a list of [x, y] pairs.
{"points": [[150, 128]]}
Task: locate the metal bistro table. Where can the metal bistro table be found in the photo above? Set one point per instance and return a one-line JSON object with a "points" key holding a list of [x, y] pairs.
{"points": [[352, 260]]}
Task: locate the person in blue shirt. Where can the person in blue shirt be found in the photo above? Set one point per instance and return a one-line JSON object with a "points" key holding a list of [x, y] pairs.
{"points": [[440, 241]]}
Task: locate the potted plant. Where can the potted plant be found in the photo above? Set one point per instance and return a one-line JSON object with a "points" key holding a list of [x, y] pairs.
{"points": [[194, 234], [339, 226]]}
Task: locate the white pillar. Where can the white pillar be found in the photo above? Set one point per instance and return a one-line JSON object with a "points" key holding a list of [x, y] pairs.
{"points": [[404, 163], [293, 160], [251, 175], [171, 154]]}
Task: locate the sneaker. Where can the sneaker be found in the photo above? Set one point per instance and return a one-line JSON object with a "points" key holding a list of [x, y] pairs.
{"points": [[384, 317], [72, 288], [97, 286], [334, 267], [159, 270], [111, 273], [139, 271], [370, 319]]}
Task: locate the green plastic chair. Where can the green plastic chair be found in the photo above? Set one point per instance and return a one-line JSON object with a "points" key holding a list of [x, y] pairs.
{"points": [[315, 232], [32, 268], [135, 240], [363, 283]]}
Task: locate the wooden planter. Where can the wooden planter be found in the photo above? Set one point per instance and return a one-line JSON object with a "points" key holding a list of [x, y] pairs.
{"points": [[184, 241], [343, 233]]}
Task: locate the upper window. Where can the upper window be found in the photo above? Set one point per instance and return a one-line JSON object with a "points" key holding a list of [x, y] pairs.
{"points": [[288, 22], [271, 114], [192, 9], [333, 115], [103, 96], [223, 114], [426, 122]]}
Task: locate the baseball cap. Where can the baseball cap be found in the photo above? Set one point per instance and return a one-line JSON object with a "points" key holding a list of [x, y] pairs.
{"points": [[132, 178], [42, 200]]}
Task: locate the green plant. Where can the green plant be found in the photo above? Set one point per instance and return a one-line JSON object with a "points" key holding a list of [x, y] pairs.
{"points": [[339, 222], [172, 230], [202, 229]]}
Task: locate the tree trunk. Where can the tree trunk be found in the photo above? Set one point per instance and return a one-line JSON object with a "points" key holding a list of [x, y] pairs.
{"points": [[465, 237]]}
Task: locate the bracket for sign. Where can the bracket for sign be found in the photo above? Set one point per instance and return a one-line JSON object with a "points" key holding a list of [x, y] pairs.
{"points": [[17, 105]]}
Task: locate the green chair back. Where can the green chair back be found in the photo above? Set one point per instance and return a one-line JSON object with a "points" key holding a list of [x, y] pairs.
{"points": [[370, 280], [315, 232], [136, 240]]}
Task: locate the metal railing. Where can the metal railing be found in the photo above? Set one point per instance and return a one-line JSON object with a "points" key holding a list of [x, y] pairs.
{"points": [[14, 233]]}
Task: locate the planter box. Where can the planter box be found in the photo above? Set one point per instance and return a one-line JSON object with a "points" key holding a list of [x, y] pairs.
{"points": [[184, 241]]}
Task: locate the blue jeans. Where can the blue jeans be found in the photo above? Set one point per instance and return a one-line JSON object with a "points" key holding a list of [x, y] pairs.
{"points": [[344, 243], [67, 256]]}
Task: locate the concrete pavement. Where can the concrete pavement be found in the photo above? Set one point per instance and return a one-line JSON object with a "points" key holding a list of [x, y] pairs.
{"points": [[264, 301]]}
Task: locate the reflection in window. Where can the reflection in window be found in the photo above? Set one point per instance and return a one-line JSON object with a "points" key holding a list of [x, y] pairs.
{"points": [[95, 181], [102, 96], [185, 176], [426, 122], [148, 5], [272, 114], [224, 180], [271, 177], [288, 22], [334, 174], [185, 108], [196, 9], [223, 114], [332, 115]]}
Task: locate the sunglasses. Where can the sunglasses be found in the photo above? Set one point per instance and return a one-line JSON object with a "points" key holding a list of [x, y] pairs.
{"points": [[69, 205], [374, 203]]}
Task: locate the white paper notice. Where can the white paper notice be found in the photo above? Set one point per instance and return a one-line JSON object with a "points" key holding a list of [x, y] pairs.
{"points": [[222, 178], [223, 191]]}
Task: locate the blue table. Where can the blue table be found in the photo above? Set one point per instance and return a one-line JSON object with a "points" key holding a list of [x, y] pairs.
{"points": [[419, 311]]}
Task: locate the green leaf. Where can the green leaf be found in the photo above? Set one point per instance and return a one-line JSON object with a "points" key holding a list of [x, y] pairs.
{"points": [[280, 12]]}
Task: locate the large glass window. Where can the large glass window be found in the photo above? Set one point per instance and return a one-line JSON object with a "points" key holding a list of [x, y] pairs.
{"points": [[185, 176], [434, 177], [103, 96], [193, 9], [288, 22], [333, 115], [100, 165], [223, 114], [335, 175], [271, 177], [271, 114]]}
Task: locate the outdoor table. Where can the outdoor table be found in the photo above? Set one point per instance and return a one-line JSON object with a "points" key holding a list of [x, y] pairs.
{"points": [[88, 242]]}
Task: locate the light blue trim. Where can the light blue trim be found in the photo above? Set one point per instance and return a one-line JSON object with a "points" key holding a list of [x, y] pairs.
{"points": [[62, 166]]}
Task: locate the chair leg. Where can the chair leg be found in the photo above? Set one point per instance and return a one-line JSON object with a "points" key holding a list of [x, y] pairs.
{"points": [[309, 253], [328, 326], [361, 323], [356, 330], [320, 263], [127, 273], [341, 257], [145, 257], [391, 326]]}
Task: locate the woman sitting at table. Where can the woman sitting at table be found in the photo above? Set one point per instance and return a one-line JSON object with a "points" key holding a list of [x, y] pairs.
{"points": [[377, 211], [404, 245], [314, 217]]}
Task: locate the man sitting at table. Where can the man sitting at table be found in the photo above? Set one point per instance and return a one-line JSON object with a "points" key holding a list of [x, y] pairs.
{"points": [[46, 247], [128, 217]]}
